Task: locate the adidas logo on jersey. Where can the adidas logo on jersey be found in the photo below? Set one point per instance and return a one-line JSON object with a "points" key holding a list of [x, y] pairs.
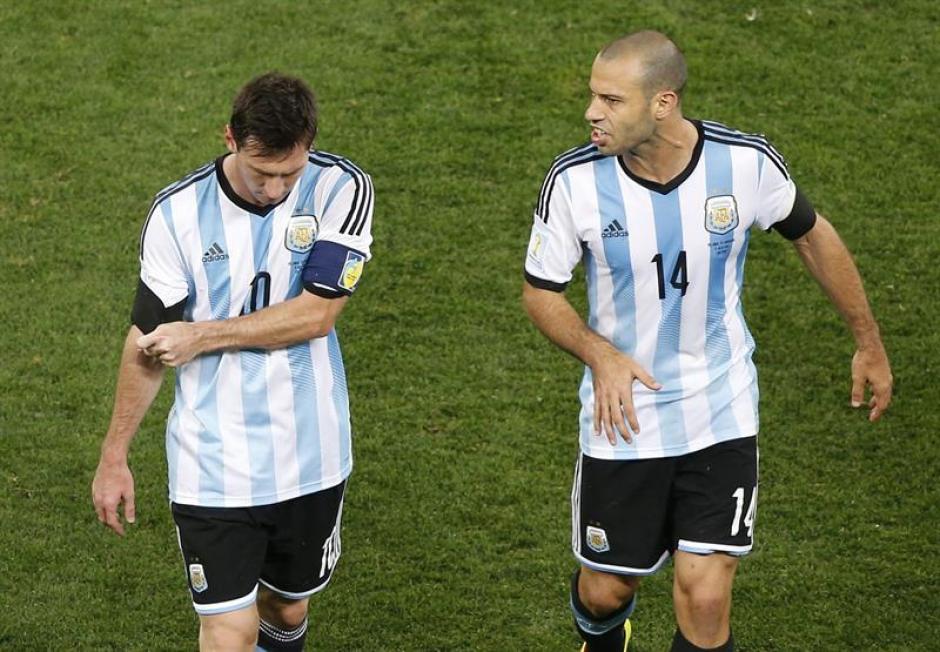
{"points": [[614, 230], [214, 254]]}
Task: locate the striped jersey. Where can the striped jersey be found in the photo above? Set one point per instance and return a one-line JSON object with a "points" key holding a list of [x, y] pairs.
{"points": [[664, 268], [254, 427]]}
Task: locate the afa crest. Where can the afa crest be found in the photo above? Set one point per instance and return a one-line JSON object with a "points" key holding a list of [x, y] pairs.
{"points": [[721, 214], [301, 233], [197, 578], [597, 539], [352, 270]]}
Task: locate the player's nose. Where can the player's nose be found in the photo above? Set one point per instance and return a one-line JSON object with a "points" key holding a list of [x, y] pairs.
{"points": [[592, 112], [275, 189]]}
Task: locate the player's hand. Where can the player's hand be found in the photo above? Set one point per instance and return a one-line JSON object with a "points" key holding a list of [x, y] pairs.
{"points": [[870, 368], [174, 344], [614, 374], [113, 485]]}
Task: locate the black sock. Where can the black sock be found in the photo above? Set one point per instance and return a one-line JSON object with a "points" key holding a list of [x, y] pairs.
{"points": [[601, 634], [681, 644], [276, 639]]}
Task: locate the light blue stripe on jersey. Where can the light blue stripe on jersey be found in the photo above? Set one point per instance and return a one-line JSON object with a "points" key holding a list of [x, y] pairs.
{"points": [[610, 207], [210, 454], [718, 181], [254, 365], [344, 179], [340, 397], [303, 378], [306, 409], [668, 224]]}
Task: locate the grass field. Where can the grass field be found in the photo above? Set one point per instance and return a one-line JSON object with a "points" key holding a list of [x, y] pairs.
{"points": [[456, 524]]}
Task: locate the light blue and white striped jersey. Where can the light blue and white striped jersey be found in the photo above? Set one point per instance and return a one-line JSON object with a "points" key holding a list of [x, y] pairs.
{"points": [[664, 268], [254, 427]]}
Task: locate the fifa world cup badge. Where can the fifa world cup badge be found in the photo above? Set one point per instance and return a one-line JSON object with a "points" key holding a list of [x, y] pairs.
{"points": [[721, 214], [197, 578], [300, 234], [352, 270]]}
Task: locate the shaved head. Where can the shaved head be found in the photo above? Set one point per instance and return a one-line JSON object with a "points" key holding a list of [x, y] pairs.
{"points": [[660, 60]]}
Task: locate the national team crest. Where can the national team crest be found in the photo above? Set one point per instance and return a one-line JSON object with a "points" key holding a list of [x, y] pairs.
{"points": [[300, 234], [597, 539], [197, 578], [721, 214], [352, 270]]}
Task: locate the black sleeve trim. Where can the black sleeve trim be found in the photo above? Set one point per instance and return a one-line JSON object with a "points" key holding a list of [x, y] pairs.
{"points": [[542, 284], [801, 219], [326, 293], [148, 311]]}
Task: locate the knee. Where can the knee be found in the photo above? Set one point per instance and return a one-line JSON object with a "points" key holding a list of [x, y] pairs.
{"points": [[283, 612], [606, 594], [702, 601]]}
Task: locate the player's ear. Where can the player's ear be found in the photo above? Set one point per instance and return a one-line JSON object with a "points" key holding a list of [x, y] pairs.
{"points": [[230, 139], [664, 103]]}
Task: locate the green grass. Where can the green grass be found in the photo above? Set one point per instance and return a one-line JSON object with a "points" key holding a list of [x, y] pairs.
{"points": [[456, 525]]}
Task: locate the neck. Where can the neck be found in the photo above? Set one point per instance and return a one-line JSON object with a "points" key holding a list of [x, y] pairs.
{"points": [[234, 181], [666, 154]]}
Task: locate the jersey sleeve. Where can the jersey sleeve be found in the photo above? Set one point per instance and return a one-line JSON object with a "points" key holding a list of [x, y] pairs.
{"points": [[554, 245], [161, 263], [776, 191], [343, 243], [163, 286]]}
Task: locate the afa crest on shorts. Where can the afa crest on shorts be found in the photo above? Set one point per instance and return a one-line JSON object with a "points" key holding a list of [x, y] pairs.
{"points": [[301, 233], [197, 578], [597, 539], [721, 214]]}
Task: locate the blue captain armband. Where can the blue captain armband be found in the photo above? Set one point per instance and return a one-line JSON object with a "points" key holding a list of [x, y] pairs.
{"points": [[333, 270]]}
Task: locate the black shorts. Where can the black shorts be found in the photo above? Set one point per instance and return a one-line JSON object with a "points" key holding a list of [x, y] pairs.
{"points": [[628, 516], [291, 547]]}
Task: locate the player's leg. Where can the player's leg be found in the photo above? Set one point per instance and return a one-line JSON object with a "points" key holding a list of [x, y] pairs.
{"points": [[713, 521], [223, 551], [702, 597], [232, 630], [619, 533], [303, 550]]}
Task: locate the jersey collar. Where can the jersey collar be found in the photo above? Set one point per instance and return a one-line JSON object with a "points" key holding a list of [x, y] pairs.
{"points": [[675, 182]]}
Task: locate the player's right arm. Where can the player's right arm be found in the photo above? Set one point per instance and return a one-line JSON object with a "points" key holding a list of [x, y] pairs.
{"points": [[139, 380], [612, 371], [162, 292], [554, 251]]}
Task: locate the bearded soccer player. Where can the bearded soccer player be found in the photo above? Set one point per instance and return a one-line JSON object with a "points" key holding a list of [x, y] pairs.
{"points": [[245, 266], [660, 208]]}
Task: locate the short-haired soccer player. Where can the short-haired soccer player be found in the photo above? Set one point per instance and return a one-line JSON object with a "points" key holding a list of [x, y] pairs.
{"points": [[660, 208], [245, 266]]}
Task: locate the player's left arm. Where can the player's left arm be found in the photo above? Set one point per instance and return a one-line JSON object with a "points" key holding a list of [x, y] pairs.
{"points": [[330, 276], [830, 263]]}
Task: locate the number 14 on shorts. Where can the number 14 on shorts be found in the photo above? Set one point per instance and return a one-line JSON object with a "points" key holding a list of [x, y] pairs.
{"points": [[738, 496]]}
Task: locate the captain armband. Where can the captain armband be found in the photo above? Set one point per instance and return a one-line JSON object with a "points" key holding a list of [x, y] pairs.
{"points": [[801, 219], [149, 311], [333, 270]]}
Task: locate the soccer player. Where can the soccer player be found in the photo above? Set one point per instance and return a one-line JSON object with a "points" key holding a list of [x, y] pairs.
{"points": [[660, 209], [245, 266]]}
